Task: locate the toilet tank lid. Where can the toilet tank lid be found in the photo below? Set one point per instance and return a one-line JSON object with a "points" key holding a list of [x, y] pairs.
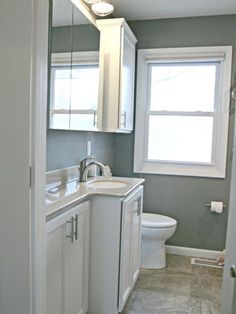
{"points": [[158, 221]]}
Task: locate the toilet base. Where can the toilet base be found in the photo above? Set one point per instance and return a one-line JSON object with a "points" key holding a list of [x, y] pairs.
{"points": [[153, 256]]}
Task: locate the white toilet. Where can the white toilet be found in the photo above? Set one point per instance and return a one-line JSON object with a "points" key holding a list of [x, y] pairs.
{"points": [[155, 229]]}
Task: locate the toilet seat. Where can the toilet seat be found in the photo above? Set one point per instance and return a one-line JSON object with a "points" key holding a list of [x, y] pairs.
{"points": [[157, 221]]}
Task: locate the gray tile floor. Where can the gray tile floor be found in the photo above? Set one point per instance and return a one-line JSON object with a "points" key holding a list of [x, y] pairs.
{"points": [[179, 288]]}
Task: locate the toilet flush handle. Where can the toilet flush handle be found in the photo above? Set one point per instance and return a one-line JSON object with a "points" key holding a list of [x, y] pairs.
{"points": [[233, 271]]}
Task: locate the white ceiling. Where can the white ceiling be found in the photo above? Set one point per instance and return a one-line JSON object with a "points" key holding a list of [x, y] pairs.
{"points": [[149, 9], [155, 9]]}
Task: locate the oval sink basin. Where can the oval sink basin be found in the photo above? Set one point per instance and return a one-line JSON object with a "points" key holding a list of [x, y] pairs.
{"points": [[108, 184]]}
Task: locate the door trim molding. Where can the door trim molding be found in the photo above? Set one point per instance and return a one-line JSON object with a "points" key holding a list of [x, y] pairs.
{"points": [[39, 73]]}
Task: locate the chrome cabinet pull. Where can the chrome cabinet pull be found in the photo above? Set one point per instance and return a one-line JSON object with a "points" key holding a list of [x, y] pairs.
{"points": [[94, 118], [76, 227], [138, 208], [71, 235], [233, 271], [140, 204], [125, 119]]}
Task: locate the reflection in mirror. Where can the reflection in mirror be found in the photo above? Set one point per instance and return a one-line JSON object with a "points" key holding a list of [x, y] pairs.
{"points": [[74, 73]]}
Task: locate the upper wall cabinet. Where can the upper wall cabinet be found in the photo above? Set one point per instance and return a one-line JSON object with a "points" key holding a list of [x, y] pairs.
{"points": [[116, 79], [91, 71]]}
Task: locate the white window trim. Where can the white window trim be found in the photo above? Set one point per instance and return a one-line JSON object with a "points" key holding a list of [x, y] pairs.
{"points": [[146, 56], [78, 57]]}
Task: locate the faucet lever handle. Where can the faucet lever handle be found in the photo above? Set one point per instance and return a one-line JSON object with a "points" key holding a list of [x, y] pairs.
{"points": [[92, 157]]}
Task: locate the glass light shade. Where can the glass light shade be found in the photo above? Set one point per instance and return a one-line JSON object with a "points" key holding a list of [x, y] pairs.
{"points": [[102, 8], [91, 1]]}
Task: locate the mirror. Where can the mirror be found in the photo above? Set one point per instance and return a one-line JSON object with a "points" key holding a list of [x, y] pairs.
{"points": [[74, 69]]}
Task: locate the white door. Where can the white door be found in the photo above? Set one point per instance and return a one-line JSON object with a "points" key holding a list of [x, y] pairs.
{"points": [[229, 282]]}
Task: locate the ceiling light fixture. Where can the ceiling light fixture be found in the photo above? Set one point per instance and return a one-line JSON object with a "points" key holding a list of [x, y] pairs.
{"points": [[91, 1], [102, 8]]}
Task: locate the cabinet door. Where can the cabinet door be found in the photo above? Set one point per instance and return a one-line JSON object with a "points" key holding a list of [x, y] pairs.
{"points": [[116, 82], [136, 238], [125, 254], [67, 261], [55, 235], [126, 82], [75, 256], [130, 244]]}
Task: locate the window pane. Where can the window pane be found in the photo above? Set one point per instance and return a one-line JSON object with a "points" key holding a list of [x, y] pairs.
{"points": [[60, 121], [84, 121], [84, 92], [183, 87], [180, 138], [61, 91]]}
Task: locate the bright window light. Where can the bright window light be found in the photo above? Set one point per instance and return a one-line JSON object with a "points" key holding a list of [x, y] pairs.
{"points": [[180, 139], [190, 87]]}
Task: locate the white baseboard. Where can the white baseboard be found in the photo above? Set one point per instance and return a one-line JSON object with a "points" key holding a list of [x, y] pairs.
{"points": [[187, 251]]}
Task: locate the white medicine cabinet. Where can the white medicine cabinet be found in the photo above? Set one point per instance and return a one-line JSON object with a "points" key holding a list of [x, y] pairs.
{"points": [[91, 72], [71, 104], [74, 69]]}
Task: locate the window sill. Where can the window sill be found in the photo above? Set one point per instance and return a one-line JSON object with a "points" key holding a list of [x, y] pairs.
{"points": [[180, 170]]}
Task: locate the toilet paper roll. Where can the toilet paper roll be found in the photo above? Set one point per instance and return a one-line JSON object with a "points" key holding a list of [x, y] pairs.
{"points": [[217, 207]]}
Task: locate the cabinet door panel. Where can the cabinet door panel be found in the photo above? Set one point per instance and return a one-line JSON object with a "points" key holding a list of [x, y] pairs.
{"points": [[136, 238], [75, 265], [125, 257], [54, 272], [67, 261], [130, 244], [127, 83]]}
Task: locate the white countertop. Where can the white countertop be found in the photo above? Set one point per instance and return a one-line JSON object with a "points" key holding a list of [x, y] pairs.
{"points": [[66, 194]]}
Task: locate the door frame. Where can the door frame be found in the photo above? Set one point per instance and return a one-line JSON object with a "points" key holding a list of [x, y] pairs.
{"points": [[229, 283], [39, 87]]}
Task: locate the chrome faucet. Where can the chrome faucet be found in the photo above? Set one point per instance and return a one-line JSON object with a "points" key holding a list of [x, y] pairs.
{"points": [[84, 167], [83, 164]]}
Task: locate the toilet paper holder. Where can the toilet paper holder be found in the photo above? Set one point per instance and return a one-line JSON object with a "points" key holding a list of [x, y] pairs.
{"points": [[209, 205]]}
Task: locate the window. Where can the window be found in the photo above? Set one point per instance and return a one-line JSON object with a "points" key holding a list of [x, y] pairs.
{"points": [[74, 91], [182, 111]]}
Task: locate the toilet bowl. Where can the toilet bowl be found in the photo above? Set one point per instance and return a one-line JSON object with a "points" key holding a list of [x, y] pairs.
{"points": [[155, 230]]}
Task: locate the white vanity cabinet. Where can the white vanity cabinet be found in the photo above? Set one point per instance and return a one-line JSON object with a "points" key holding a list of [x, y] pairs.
{"points": [[115, 250], [68, 260], [116, 75]]}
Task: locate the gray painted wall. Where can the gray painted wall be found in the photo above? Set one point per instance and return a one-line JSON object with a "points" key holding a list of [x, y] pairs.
{"points": [[85, 38], [183, 198], [67, 148]]}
